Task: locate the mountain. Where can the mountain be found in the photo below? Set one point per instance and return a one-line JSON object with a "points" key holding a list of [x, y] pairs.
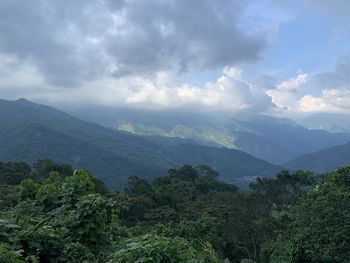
{"points": [[30, 131], [322, 161], [276, 140], [333, 122], [286, 137]]}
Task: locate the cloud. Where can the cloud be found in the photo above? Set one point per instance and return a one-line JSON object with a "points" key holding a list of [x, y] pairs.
{"points": [[292, 85], [182, 35], [336, 8], [132, 53], [73, 42], [332, 100], [335, 87], [287, 93], [50, 36], [335, 91], [340, 77], [323, 92], [18, 78], [230, 92]]}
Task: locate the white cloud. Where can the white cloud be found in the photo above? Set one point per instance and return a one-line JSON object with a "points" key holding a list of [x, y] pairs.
{"points": [[294, 84], [331, 91], [286, 94], [332, 100], [326, 92], [230, 92]]}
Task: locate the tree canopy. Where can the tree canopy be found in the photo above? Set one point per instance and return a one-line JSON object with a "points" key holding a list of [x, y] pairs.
{"points": [[53, 213]]}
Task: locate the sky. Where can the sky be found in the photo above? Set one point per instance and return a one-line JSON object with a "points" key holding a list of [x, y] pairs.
{"points": [[278, 57]]}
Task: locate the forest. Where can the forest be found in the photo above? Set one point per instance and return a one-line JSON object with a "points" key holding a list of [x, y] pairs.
{"points": [[50, 212]]}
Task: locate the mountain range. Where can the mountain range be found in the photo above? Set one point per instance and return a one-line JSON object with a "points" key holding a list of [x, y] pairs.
{"points": [[322, 161], [332, 122], [31, 131], [148, 143], [276, 140]]}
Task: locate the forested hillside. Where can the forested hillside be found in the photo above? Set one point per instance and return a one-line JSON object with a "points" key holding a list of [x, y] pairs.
{"points": [[30, 131], [52, 213], [276, 140], [322, 161]]}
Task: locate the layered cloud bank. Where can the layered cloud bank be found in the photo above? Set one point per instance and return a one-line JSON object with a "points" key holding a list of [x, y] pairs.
{"points": [[135, 53], [69, 42]]}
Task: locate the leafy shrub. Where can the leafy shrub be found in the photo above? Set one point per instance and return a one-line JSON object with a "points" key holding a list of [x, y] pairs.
{"points": [[158, 249]]}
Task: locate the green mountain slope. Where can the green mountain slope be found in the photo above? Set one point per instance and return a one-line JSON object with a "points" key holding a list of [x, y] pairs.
{"points": [[276, 140], [29, 131], [324, 160]]}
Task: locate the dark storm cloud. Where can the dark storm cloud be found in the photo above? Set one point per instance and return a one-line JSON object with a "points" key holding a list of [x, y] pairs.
{"points": [[200, 34], [35, 31], [71, 41]]}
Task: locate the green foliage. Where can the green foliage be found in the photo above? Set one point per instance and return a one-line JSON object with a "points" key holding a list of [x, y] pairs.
{"points": [[7, 197], [191, 203], [186, 216], [194, 205], [92, 221], [283, 191], [201, 232], [13, 173], [63, 219], [77, 252], [77, 185], [8, 255], [320, 231], [158, 249], [9, 251], [43, 168], [27, 189], [137, 186]]}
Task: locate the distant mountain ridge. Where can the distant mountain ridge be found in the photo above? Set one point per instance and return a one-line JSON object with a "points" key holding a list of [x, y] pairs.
{"points": [[276, 140], [30, 131], [333, 122], [322, 161]]}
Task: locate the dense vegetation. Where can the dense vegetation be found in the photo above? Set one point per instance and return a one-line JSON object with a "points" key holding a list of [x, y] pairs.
{"points": [[52, 213]]}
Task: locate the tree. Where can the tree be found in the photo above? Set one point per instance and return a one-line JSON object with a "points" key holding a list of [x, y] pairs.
{"points": [[137, 186], [43, 168], [320, 231], [281, 192], [13, 173], [61, 220], [185, 173], [153, 248]]}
